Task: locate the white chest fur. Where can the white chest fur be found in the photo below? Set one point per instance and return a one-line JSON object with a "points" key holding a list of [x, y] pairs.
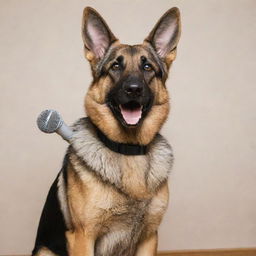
{"points": [[123, 171]]}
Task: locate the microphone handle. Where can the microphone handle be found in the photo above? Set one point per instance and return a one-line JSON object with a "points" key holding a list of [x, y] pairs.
{"points": [[65, 132]]}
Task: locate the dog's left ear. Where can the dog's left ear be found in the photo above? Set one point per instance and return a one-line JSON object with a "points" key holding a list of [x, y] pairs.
{"points": [[165, 35], [96, 34]]}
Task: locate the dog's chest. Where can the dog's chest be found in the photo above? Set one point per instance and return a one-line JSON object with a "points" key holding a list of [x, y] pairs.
{"points": [[116, 218], [124, 197], [115, 197], [122, 229], [124, 172]]}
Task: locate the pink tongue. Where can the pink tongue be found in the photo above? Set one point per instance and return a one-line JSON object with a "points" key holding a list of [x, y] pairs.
{"points": [[131, 116]]}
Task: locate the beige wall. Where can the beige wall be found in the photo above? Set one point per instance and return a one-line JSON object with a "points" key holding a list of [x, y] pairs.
{"points": [[211, 127]]}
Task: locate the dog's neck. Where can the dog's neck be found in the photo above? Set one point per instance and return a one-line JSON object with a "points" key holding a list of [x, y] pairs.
{"points": [[122, 148], [150, 170], [102, 117]]}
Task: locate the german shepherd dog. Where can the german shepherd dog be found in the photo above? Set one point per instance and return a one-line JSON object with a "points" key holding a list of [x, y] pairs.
{"points": [[111, 193]]}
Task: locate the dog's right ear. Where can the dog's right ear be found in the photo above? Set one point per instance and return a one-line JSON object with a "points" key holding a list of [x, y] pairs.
{"points": [[96, 34]]}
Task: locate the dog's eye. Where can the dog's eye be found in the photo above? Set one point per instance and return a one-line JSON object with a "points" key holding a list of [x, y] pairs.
{"points": [[115, 66], [147, 67]]}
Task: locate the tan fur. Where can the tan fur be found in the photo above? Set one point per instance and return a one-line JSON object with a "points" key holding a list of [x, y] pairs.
{"points": [[79, 243], [102, 117], [171, 57], [155, 119], [133, 179], [161, 95], [100, 89], [148, 244], [93, 203], [96, 207], [112, 202], [158, 207], [89, 56], [147, 247], [90, 199]]}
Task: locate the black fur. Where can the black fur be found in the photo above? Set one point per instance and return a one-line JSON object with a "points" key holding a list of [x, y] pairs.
{"points": [[51, 229]]}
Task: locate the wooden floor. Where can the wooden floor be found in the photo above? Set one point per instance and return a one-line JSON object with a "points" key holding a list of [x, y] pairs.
{"points": [[212, 252]]}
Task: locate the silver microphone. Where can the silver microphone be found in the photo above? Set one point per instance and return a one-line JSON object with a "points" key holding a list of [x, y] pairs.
{"points": [[50, 121]]}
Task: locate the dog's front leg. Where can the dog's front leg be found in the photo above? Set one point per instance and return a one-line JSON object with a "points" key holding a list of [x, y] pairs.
{"points": [[147, 247], [80, 243]]}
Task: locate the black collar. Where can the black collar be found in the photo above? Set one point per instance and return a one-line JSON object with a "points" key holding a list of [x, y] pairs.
{"points": [[122, 148]]}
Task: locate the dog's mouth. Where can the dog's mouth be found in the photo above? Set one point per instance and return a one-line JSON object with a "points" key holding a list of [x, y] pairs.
{"points": [[131, 112]]}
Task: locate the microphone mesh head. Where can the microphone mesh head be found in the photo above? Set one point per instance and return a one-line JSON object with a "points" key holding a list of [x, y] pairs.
{"points": [[49, 121]]}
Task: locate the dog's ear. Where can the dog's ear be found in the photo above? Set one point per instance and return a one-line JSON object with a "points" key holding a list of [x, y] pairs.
{"points": [[165, 35], [96, 34]]}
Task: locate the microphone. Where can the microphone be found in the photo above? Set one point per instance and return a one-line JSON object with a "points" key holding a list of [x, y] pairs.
{"points": [[50, 121]]}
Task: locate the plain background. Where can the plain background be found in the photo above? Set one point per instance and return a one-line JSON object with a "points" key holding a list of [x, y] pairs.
{"points": [[211, 126]]}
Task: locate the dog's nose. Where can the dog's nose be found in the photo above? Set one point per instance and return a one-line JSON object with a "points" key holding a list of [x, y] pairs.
{"points": [[133, 90]]}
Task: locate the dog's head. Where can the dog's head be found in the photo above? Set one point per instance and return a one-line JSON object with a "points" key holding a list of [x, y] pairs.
{"points": [[128, 99]]}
